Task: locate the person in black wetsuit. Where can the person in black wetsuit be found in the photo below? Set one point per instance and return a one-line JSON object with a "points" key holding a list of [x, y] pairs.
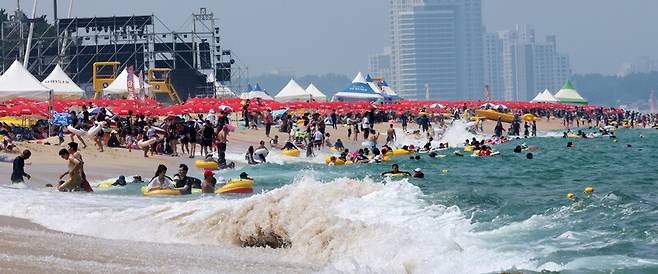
{"points": [[18, 171]]}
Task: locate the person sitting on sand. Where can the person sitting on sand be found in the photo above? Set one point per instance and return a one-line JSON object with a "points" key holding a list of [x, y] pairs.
{"points": [[18, 169], [160, 180], [395, 170], [185, 183], [75, 179], [209, 182]]}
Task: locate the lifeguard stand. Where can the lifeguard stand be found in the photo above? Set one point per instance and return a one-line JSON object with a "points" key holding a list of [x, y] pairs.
{"points": [[103, 75], [160, 81]]}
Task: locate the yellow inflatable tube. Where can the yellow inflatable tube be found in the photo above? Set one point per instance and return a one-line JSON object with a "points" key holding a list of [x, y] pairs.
{"points": [[401, 152], [206, 164], [530, 117], [494, 115], [237, 186], [161, 192], [291, 152], [327, 160], [469, 148], [395, 175]]}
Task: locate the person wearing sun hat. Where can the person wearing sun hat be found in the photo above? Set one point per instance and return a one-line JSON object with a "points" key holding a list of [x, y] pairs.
{"points": [[209, 182], [418, 173]]}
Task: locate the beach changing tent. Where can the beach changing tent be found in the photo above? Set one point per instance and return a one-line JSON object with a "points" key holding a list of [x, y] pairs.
{"points": [[255, 92], [62, 85], [569, 95], [293, 92], [544, 97], [358, 90], [120, 85], [317, 95], [18, 82]]}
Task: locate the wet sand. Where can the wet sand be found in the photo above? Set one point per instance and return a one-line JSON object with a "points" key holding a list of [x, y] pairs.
{"points": [[29, 248]]}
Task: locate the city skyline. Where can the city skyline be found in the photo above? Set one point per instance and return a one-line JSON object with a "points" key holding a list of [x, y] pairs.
{"points": [[585, 34]]}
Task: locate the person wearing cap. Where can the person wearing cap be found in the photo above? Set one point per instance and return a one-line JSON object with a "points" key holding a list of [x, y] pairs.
{"points": [[209, 182], [185, 183], [418, 173]]}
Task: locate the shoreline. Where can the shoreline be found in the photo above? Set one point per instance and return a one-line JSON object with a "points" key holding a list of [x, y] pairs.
{"points": [[30, 248]]}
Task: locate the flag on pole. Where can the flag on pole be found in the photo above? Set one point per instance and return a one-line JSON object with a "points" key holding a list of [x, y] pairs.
{"points": [[131, 82], [142, 88]]}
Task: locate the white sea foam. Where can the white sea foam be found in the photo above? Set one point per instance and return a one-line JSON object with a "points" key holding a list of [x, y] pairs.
{"points": [[345, 225]]}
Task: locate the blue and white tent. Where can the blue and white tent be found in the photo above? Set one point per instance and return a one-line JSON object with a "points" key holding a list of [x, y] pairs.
{"points": [[255, 92], [390, 93], [358, 90]]}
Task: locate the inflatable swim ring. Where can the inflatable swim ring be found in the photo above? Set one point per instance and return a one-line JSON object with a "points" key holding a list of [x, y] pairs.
{"points": [[75, 131], [145, 144], [237, 186], [395, 174], [93, 131], [339, 162], [161, 192], [469, 148], [261, 151], [206, 164], [530, 117], [400, 152], [291, 152], [494, 115]]}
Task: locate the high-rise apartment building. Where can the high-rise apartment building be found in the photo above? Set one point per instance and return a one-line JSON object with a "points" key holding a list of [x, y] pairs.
{"points": [[437, 45], [521, 65]]}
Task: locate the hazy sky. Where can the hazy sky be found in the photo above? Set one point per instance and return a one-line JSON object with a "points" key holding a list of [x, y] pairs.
{"points": [[313, 36]]}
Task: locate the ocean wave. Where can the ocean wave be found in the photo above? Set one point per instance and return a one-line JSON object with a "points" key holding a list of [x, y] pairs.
{"points": [[346, 225]]}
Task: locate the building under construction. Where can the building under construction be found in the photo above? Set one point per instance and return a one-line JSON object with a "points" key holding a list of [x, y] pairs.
{"points": [[179, 64]]}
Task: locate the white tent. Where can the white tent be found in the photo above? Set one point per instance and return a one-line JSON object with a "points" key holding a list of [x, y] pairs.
{"points": [[569, 95], [255, 92], [61, 84], [359, 78], [222, 91], [120, 85], [293, 92], [544, 97], [18, 82], [316, 93]]}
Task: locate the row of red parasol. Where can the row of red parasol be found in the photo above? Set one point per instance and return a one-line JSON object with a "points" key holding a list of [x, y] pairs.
{"points": [[123, 107]]}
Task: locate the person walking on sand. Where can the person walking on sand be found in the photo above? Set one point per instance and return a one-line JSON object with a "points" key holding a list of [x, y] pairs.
{"points": [[390, 135], [18, 170]]}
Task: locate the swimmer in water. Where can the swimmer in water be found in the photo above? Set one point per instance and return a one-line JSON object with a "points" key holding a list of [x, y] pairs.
{"points": [[395, 170]]}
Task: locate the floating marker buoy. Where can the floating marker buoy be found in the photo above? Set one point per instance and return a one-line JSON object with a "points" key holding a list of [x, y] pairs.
{"points": [[444, 171], [589, 189], [570, 195]]}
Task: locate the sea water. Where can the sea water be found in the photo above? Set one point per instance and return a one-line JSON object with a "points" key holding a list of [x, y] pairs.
{"points": [[469, 215]]}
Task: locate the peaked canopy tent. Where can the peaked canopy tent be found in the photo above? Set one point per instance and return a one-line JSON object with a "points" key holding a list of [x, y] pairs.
{"points": [[18, 82], [357, 92], [569, 95], [317, 95], [120, 85], [544, 97], [255, 92], [293, 92], [223, 91], [386, 89], [62, 85]]}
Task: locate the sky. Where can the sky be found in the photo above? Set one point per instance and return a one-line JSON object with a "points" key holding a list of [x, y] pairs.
{"points": [[320, 36]]}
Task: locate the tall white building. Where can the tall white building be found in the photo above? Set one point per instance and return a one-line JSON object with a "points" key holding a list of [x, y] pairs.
{"points": [[437, 44], [523, 66]]}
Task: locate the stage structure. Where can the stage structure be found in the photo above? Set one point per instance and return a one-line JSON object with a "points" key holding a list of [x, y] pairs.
{"points": [[188, 59]]}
